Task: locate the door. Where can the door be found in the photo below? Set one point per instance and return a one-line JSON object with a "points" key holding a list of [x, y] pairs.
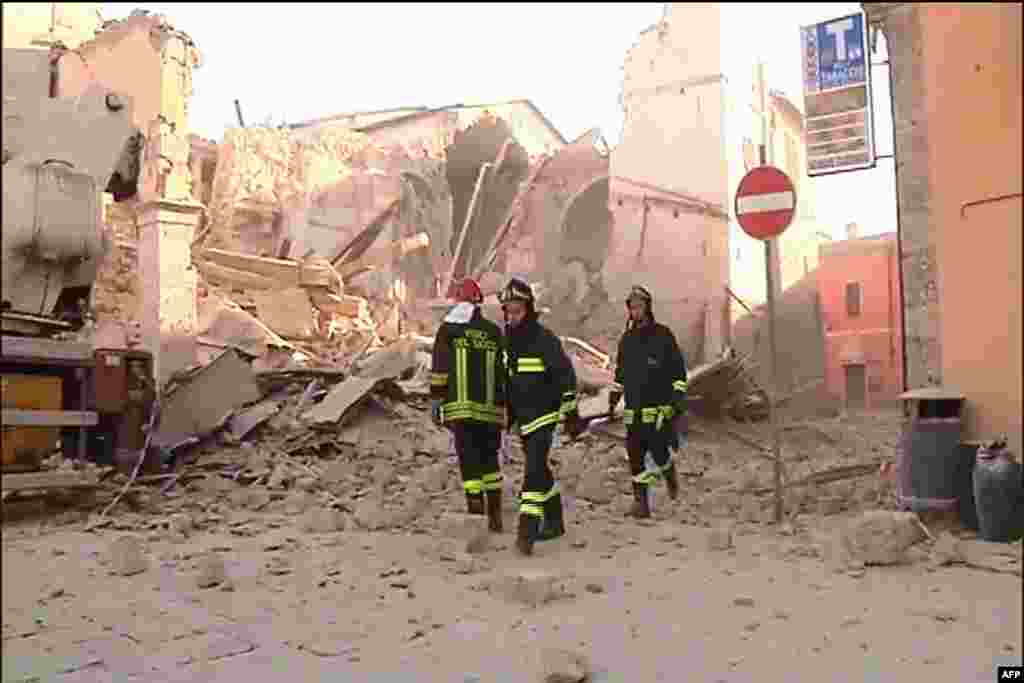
{"points": [[856, 387]]}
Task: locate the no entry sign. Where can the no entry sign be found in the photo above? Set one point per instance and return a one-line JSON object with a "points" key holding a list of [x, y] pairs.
{"points": [[765, 202]]}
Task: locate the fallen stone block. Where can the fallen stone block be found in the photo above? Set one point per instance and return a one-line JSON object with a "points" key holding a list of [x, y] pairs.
{"points": [[531, 587], [879, 537], [563, 666], [128, 556]]}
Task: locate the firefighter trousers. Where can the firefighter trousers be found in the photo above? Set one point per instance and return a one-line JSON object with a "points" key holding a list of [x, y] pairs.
{"points": [[477, 445], [643, 439], [538, 482]]}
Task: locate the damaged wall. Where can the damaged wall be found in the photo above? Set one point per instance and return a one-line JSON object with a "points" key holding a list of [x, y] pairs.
{"points": [[669, 188], [317, 192], [143, 57], [479, 214]]}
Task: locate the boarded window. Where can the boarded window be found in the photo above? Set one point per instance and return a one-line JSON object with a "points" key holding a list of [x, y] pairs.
{"points": [[853, 299]]}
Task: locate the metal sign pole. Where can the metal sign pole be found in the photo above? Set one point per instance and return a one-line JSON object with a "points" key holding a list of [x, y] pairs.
{"points": [[769, 255], [772, 417]]}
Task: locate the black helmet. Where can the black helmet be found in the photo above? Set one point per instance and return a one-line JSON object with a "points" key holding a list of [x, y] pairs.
{"points": [[641, 293], [517, 290], [638, 292]]}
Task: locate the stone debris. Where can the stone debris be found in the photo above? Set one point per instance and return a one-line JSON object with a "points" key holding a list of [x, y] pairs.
{"points": [[719, 538], [211, 571], [879, 537], [128, 556], [470, 531], [563, 666], [322, 521], [946, 550], [532, 587]]}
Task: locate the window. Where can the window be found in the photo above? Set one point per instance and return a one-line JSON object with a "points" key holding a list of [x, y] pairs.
{"points": [[853, 299]]}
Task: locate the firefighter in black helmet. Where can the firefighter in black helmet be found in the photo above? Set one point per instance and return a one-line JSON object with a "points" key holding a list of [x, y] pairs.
{"points": [[541, 394], [651, 371]]}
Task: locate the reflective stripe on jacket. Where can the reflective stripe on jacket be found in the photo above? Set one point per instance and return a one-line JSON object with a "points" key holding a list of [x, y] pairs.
{"points": [[652, 372], [466, 371], [542, 382]]}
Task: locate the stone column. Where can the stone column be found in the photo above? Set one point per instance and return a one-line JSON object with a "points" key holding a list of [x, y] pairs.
{"points": [[167, 278]]}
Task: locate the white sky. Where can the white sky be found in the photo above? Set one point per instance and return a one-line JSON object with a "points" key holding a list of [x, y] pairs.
{"points": [[295, 61]]}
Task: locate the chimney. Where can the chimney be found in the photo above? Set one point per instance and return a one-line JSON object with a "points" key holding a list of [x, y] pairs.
{"points": [[852, 232]]}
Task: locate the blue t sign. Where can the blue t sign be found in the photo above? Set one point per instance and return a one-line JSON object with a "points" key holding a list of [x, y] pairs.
{"points": [[841, 52]]}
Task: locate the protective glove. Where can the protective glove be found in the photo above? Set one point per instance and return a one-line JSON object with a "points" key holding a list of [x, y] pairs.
{"points": [[613, 400], [435, 411], [573, 424]]}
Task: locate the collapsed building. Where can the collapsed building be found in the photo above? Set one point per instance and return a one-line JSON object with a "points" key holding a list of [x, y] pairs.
{"points": [[329, 235]]}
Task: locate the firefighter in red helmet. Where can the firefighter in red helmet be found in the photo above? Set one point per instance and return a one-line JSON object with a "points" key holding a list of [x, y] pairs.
{"points": [[542, 394], [651, 371], [468, 397]]}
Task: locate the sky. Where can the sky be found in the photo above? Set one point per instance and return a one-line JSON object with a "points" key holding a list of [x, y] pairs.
{"points": [[289, 62]]}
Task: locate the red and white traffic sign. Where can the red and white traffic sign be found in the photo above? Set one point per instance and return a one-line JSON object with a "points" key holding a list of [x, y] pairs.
{"points": [[765, 202]]}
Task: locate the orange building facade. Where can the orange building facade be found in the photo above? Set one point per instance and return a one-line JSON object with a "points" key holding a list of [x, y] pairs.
{"points": [[859, 294]]}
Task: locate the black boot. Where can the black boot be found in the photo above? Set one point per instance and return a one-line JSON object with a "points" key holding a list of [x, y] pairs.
{"points": [[529, 527], [641, 509], [672, 479], [494, 521], [554, 522], [475, 503]]}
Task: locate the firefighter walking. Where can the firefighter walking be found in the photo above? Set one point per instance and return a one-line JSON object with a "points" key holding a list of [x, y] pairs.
{"points": [[651, 372], [467, 389], [542, 394]]}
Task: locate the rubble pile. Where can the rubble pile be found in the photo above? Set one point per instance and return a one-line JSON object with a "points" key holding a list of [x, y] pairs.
{"points": [[728, 386], [338, 241]]}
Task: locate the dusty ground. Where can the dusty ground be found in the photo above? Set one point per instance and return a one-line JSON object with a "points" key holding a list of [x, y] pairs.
{"points": [[650, 601]]}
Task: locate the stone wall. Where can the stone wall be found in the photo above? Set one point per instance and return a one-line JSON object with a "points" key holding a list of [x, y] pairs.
{"points": [[900, 24], [117, 287]]}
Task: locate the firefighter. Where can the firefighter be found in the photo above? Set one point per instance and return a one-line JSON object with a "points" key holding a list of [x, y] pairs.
{"points": [[467, 389], [542, 394], [651, 371]]}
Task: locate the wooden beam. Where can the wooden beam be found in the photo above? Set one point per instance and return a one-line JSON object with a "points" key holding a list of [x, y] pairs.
{"points": [[48, 418], [510, 219], [467, 224], [284, 271], [234, 277]]}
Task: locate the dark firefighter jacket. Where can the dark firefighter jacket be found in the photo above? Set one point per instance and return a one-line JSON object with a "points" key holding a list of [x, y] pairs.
{"points": [[542, 382], [466, 371], [651, 371]]}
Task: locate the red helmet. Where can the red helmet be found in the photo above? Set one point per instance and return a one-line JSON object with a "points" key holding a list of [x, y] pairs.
{"points": [[466, 289]]}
